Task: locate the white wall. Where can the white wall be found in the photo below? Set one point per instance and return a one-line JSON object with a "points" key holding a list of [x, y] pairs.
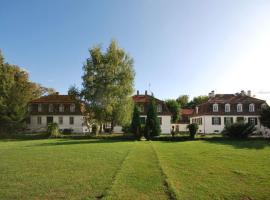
{"points": [[77, 127], [207, 127], [182, 127]]}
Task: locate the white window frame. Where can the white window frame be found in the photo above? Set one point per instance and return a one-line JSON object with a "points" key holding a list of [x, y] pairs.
{"points": [[215, 107], [61, 108], [39, 107], [251, 107], [227, 107], [39, 121], [60, 121], [159, 108], [72, 107], [71, 120], [239, 107], [141, 108], [50, 107], [216, 121]]}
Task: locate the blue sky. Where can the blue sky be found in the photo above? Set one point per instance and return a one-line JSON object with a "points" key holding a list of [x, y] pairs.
{"points": [[179, 47]]}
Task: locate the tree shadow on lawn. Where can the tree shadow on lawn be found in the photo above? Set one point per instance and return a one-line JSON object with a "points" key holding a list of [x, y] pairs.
{"points": [[250, 143]]}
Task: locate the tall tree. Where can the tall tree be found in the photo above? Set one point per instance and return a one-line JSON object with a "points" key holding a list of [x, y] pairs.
{"points": [[183, 100], [15, 92], [152, 125], [136, 123], [174, 108], [265, 117], [197, 101], [108, 85]]}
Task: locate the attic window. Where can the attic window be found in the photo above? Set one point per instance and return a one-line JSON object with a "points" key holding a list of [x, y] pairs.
{"points": [[29, 108], [215, 107], [227, 107], [141, 108], [72, 108], [61, 108], [50, 108], [251, 108], [239, 107], [39, 108]]}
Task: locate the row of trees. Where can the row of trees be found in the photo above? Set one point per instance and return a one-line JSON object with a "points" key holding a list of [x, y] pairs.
{"points": [[152, 124], [16, 90]]}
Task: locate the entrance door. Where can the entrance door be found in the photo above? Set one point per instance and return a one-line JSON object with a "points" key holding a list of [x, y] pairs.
{"points": [[49, 120]]}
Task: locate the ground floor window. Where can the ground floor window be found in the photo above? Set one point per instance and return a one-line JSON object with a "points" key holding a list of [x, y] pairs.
{"points": [[71, 120], [60, 120], [228, 120], [39, 120], [160, 120], [197, 121], [216, 120], [253, 120], [142, 119]]}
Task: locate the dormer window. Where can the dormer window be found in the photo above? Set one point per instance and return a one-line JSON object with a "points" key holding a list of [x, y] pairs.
{"points": [[251, 108], [215, 107], [227, 107], [50, 108], [264, 106], [72, 108], [39, 108], [239, 107], [141, 108], [61, 108], [159, 108], [197, 109]]}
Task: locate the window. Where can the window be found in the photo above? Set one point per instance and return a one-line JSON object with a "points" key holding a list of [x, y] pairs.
{"points": [[60, 120], [39, 120], [264, 106], [240, 119], [239, 107], [253, 120], [71, 120], [61, 108], [227, 107], [159, 108], [142, 119], [215, 107], [141, 108], [216, 120], [29, 108], [228, 120], [251, 108], [50, 108], [72, 108], [39, 107], [197, 121], [160, 120], [197, 109]]}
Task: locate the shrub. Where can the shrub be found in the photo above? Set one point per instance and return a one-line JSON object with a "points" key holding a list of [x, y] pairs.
{"points": [[126, 128], [238, 130], [135, 126], [193, 128], [265, 117], [53, 130], [67, 131]]}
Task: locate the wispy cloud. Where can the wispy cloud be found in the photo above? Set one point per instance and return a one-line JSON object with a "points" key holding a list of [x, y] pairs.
{"points": [[50, 81]]}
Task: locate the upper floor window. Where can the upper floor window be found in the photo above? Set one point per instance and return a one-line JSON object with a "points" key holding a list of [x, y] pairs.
{"points": [[264, 105], [159, 108], [29, 108], [215, 107], [72, 108], [39, 108], [61, 108], [141, 108], [50, 108], [251, 107], [227, 107], [197, 109], [239, 107]]}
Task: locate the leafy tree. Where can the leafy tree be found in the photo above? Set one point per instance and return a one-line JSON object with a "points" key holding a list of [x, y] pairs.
{"points": [[174, 108], [152, 125], [183, 100], [136, 123], [108, 85], [193, 128], [15, 92], [238, 130], [53, 130], [197, 101], [265, 117]]}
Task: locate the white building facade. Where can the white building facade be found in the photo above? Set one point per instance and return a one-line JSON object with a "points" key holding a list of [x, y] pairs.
{"points": [[60, 109], [222, 109]]}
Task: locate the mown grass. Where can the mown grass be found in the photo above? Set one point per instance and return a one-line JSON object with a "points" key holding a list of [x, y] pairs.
{"points": [[115, 168]]}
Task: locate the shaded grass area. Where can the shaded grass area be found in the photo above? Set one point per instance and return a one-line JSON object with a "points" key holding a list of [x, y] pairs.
{"points": [[117, 167]]}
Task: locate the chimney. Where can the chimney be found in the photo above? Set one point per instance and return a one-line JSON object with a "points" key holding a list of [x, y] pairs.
{"points": [[243, 93], [145, 92], [138, 92], [249, 93], [211, 94]]}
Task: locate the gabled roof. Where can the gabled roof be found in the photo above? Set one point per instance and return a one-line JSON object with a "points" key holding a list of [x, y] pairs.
{"points": [[186, 111], [233, 98], [55, 98]]}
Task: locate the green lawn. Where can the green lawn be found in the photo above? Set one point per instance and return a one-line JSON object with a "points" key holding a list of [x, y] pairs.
{"points": [[122, 169]]}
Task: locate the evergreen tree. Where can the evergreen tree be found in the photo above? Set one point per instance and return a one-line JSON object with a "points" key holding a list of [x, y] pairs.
{"points": [[136, 123], [265, 117], [152, 125]]}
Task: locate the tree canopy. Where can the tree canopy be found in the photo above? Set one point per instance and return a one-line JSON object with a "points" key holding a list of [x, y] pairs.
{"points": [[265, 117], [174, 108], [183, 100]]}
